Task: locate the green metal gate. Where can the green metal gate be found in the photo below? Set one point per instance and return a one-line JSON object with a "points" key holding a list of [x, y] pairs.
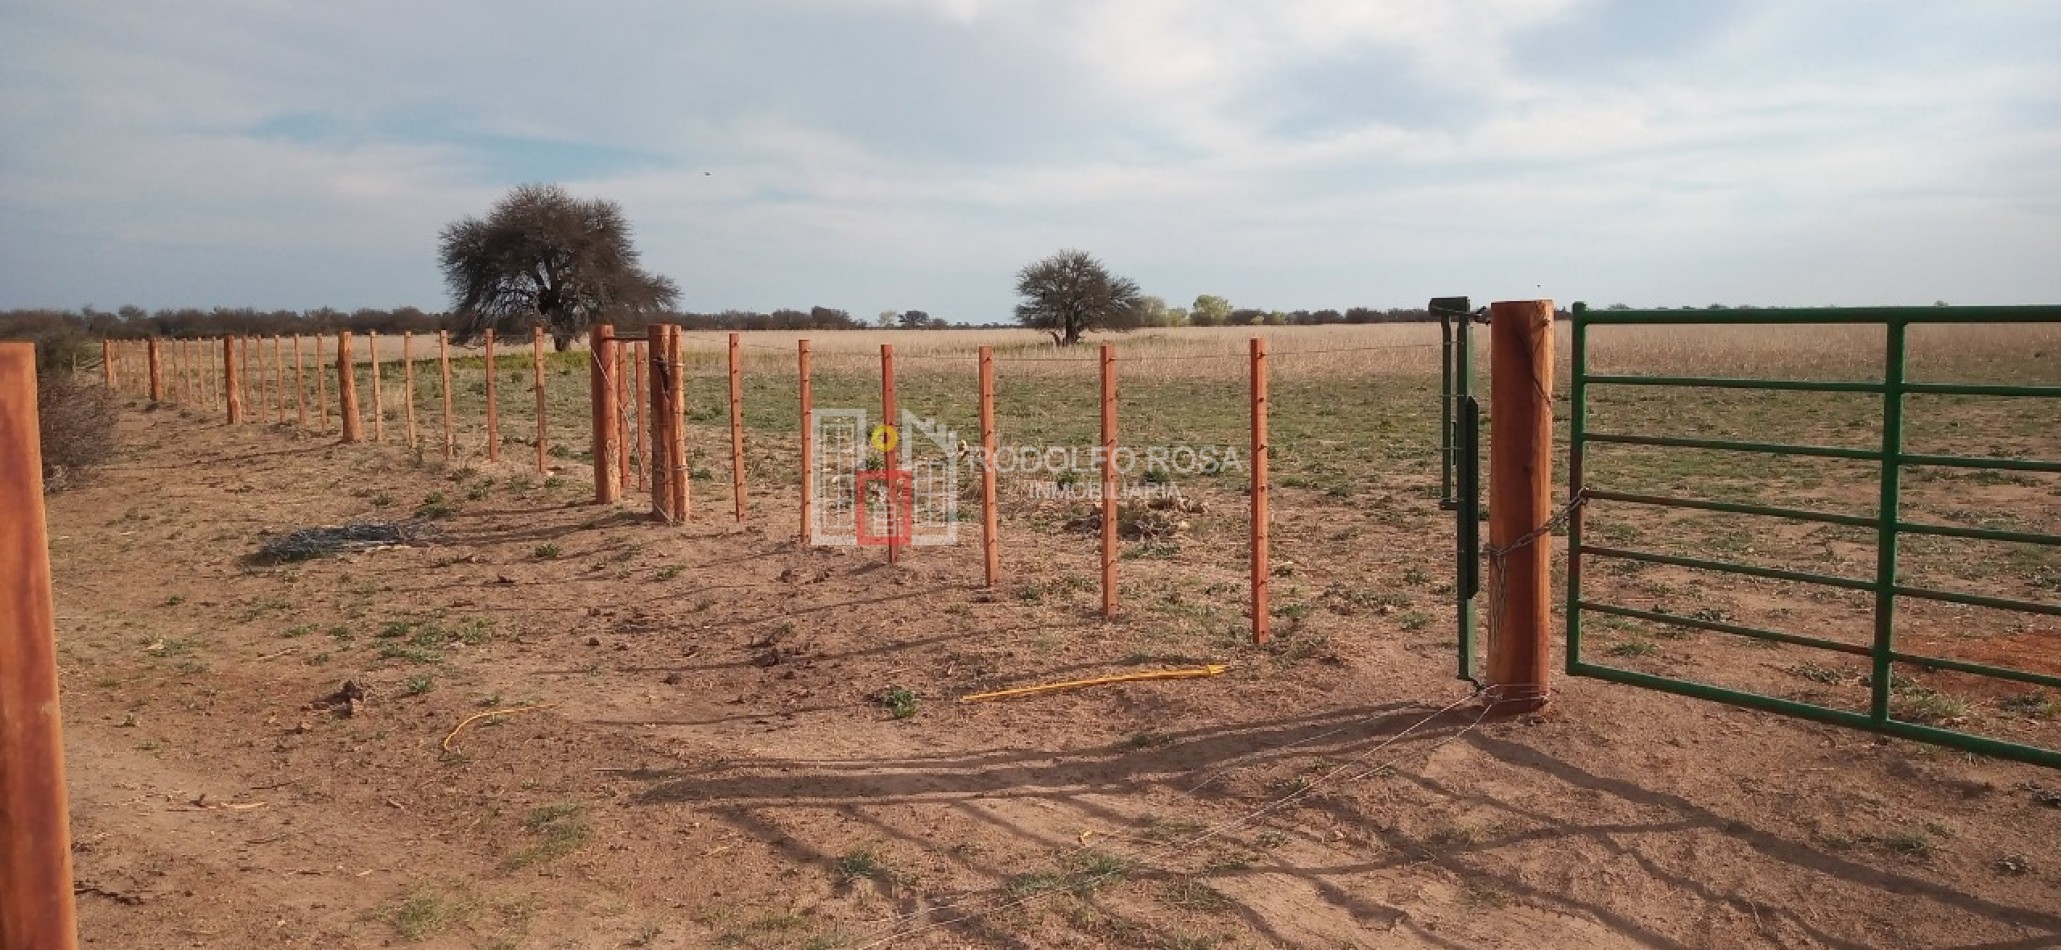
{"points": [[1887, 524], [1460, 463]]}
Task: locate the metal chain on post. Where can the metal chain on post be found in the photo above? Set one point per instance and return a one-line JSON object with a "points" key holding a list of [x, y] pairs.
{"points": [[1495, 556]]}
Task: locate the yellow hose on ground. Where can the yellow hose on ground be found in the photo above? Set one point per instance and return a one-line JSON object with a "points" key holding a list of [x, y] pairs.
{"points": [[1214, 669]]}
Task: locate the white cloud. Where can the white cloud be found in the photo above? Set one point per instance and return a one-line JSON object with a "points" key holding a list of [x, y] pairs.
{"points": [[914, 153]]}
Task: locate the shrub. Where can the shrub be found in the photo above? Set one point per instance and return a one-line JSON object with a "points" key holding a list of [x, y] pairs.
{"points": [[77, 421]]}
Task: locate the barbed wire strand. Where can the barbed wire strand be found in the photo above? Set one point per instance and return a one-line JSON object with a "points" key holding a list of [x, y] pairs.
{"points": [[1090, 357]]}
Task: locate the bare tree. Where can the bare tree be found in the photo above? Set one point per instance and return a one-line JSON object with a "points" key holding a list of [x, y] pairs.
{"points": [[543, 256], [1071, 293]]}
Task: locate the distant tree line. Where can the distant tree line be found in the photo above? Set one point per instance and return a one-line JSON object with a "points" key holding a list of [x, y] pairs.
{"points": [[135, 322]]}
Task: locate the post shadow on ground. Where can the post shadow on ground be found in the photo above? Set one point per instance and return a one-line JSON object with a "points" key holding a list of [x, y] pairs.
{"points": [[953, 780], [1454, 857], [748, 803]]}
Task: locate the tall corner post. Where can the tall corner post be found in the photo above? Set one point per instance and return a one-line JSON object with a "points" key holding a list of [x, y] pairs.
{"points": [[1520, 502]]}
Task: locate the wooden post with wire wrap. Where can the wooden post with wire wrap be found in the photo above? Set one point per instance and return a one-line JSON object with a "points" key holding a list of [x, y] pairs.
{"points": [[1520, 502], [601, 383]]}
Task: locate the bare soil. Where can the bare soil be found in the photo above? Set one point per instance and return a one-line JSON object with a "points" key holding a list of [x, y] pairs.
{"points": [[705, 757]]}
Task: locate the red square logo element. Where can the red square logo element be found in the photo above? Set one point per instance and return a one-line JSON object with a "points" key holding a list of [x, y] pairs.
{"points": [[900, 496]]}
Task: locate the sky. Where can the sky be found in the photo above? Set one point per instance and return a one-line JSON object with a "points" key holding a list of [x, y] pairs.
{"points": [[915, 154]]}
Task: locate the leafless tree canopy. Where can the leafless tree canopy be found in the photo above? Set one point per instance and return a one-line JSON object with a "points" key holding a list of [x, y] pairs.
{"points": [[1071, 293], [543, 256]]}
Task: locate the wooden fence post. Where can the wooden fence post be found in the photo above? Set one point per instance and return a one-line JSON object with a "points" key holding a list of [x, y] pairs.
{"points": [[252, 392], [737, 423], [1520, 501], [537, 372], [990, 506], [253, 378], [300, 385], [261, 385], [378, 391], [154, 355], [1260, 451], [601, 386], [321, 387], [36, 908], [232, 386], [624, 362], [676, 354], [808, 445], [888, 463], [493, 410], [347, 388], [107, 363], [408, 384], [1109, 499], [279, 374], [659, 429], [640, 361], [444, 369]]}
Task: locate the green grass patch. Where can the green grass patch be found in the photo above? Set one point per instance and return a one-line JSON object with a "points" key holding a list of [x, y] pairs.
{"points": [[557, 830]]}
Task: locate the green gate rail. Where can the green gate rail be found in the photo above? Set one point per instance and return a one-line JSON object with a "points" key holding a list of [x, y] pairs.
{"points": [[1888, 523]]}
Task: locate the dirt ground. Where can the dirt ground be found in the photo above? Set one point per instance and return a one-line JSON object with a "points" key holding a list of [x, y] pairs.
{"points": [[709, 752]]}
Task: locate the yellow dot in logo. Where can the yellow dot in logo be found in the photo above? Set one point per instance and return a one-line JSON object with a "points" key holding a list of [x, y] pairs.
{"points": [[884, 438]]}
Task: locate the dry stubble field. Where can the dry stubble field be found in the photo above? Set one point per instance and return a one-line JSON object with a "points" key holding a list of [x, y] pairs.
{"points": [[718, 766]]}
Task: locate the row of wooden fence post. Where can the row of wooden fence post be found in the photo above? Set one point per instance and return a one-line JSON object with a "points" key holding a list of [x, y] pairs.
{"points": [[670, 499], [666, 444], [618, 387], [1517, 657], [167, 370]]}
